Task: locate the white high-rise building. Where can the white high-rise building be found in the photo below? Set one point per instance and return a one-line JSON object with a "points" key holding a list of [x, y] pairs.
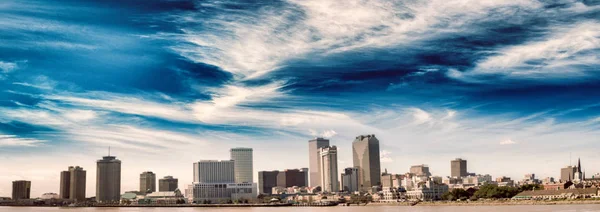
{"points": [[213, 171], [242, 158], [350, 179], [329, 169], [314, 160]]}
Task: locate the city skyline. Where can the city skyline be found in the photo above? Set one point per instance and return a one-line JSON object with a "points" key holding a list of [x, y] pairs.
{"points": [[510, 86]]}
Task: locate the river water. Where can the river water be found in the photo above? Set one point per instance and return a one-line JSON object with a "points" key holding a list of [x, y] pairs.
{"points": [[509, 208]]}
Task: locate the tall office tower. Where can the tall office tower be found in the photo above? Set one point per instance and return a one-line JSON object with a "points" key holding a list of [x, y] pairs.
{"points": [[168, 183], [365, 150], [21, 189], [458, 168], [306, 174], [329, 169], [420, 170], [147, 182], [108, 180], [242, 158], [314, 160], [65, 184], [387, 179], [77, 184], [213, 171], [350, 179], [267, 180]]}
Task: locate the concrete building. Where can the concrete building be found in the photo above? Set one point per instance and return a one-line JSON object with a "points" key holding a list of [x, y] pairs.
{"points": [[168, 183], [108, 180], [387, 179], [314, 160], [214, 182], [147, 182], [21, 189], [222, 192], [77, 184], [458, 168], [163, 198], [47, 196], [213, 171], [267, 180], [427, 190], [350, 179], [329, 169], [420, 170], [242, 158], [365, 152], [65, 185], [567, 173]]}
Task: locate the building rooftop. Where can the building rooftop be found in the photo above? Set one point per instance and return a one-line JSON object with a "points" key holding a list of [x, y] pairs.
{"points": [[558, 192]]}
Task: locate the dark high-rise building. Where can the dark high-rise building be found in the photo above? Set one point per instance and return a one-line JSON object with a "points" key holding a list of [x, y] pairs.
{"points": [[458, 168], [314, 160], [65, 185], [21, 189], [291, 177], [73, 184], [365, 150], [147, 182], [168, 183], [266, 181], [77, 184], [108, 180]]}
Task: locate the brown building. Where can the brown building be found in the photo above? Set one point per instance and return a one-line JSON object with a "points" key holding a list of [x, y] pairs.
{"points": [[168, 183], [266, 181], [291, 177], [65, 185], [147, 182], [458, 168], [21, 190]]}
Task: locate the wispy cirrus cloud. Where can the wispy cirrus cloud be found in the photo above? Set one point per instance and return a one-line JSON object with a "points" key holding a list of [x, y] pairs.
{"points": [[16, 141]]}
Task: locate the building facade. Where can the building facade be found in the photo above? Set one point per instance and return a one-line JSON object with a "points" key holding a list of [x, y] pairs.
{"points": [[243, 163], [77, 183], [65, 185], [458, 168], [365, 151], [314, 160], [350, 179], [108, 180], [267, 180], [168, 183], [21, 189], [329, 169], [420, 170], [222, 192], [214, 171], [147, 182], [567, 173]]}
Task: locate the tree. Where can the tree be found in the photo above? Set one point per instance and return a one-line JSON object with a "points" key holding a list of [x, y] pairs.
{"points": [[457, 194], [491, 191], [531, 187]]}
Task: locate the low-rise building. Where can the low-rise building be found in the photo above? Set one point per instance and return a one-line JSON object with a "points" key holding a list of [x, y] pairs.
{"points": [[428, 190], [222, 192], [165, 198], [558, 194]]}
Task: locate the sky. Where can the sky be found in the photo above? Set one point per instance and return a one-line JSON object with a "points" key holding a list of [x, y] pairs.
{"points": [[511, 86]]}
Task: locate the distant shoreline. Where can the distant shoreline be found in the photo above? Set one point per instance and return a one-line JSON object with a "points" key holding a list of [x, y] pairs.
{"points": [[492, 203]]}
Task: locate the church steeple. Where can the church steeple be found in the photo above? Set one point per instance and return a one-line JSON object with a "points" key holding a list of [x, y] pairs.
{"points": [[579, 165]]}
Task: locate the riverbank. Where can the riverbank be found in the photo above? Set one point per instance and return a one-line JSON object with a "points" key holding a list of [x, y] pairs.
{"points": [[490, 203]]}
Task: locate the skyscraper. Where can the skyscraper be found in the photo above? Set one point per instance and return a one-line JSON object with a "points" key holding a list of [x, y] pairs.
{"points": [[568, 173], [266, 181], [365, 151], [77, 184], [350, 179], [168, 183], [65, 184], [458, 168], [108, 180], [147, 182], [213, 171], [329, 169], [21, 189], [243, 165], [73, 184], [314, 160]]}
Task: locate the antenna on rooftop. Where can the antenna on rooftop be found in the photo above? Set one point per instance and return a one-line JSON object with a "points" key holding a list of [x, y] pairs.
{"points": [[109, 151]]}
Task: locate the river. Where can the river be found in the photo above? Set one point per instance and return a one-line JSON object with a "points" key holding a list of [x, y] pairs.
{"points": [[509, 208]]}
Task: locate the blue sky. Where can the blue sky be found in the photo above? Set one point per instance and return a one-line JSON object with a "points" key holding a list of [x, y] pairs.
{"points": [[511, 86]]}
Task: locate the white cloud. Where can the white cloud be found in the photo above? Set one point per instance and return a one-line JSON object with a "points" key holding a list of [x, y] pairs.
{"points": [[507, 142], [385, 156], [7, 67], [567, 52], [324, 134], [15, 141]]}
